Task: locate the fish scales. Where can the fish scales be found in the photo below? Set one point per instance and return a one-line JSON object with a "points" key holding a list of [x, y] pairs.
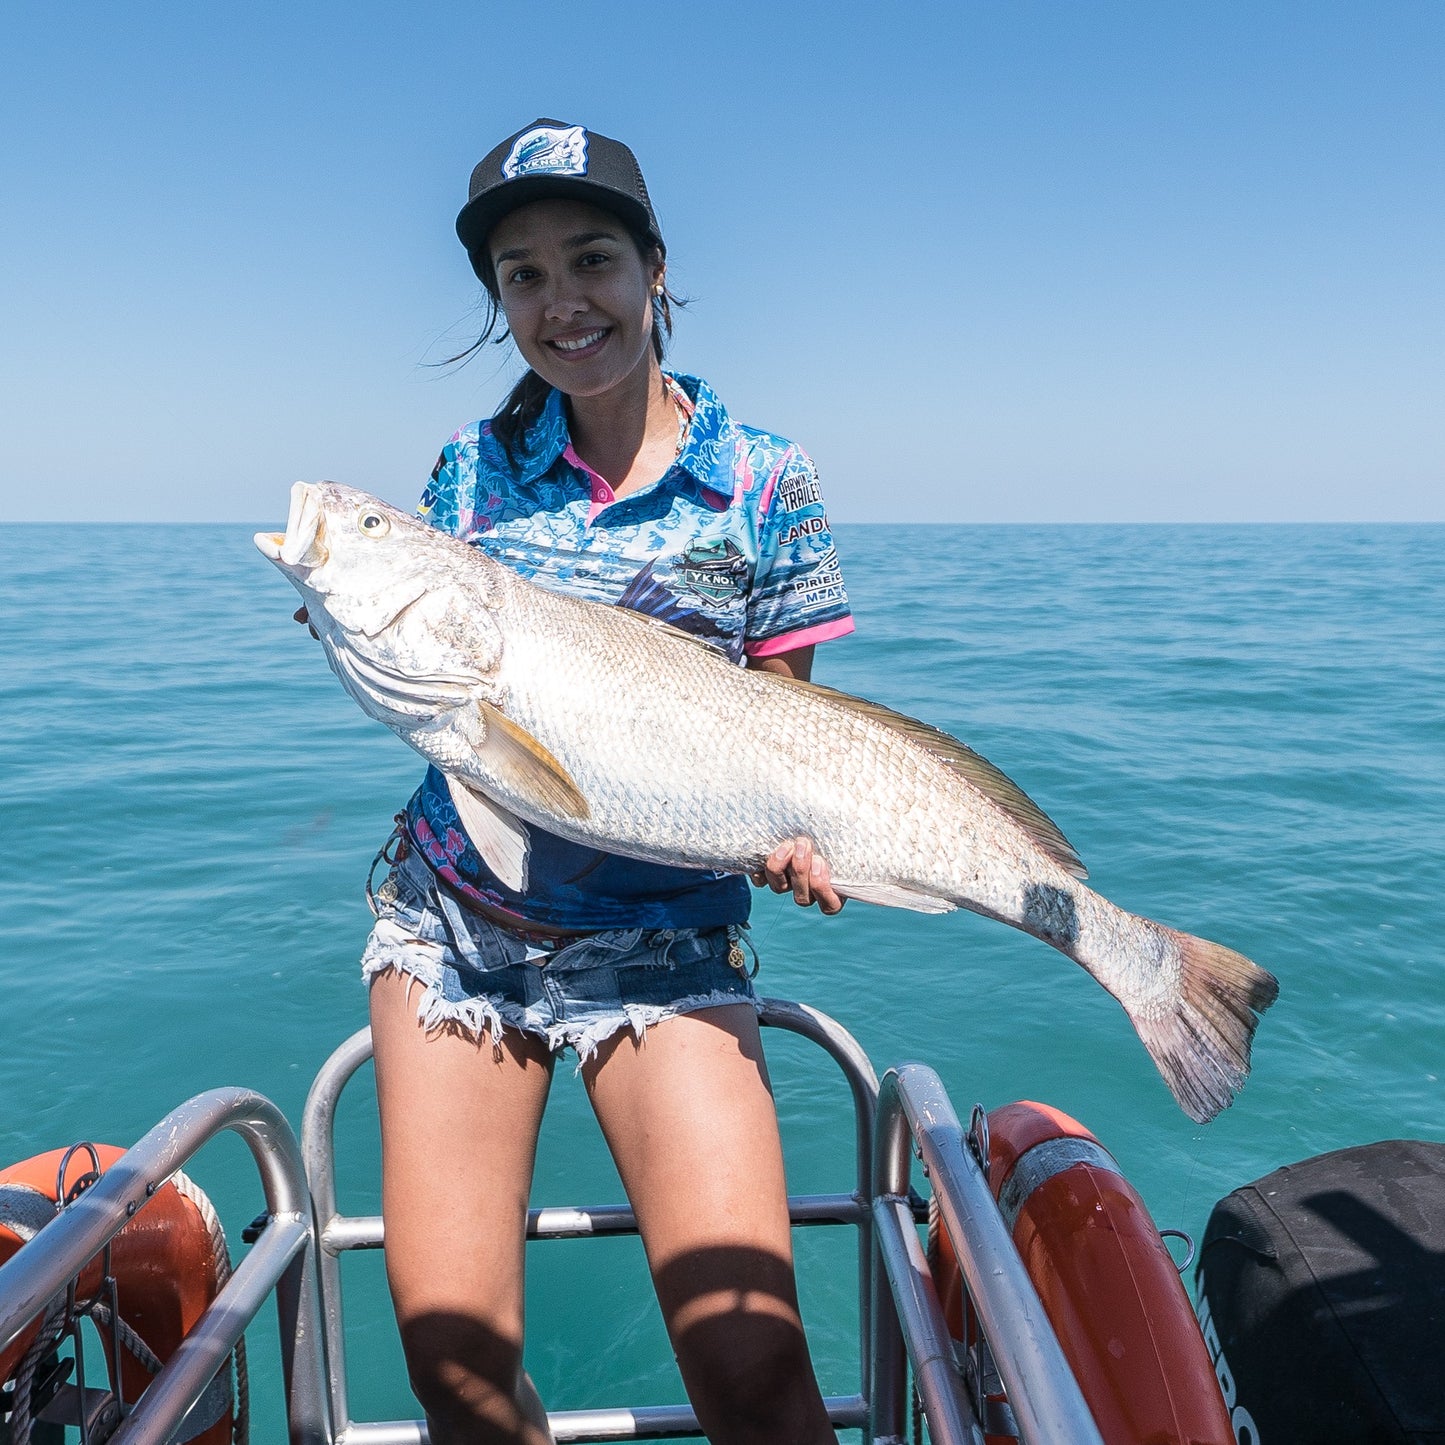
{"points": [[619, 732], [683, 772]]}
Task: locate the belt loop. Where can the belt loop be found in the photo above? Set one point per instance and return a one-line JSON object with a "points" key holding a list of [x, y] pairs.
{"points": [[392, 851]]}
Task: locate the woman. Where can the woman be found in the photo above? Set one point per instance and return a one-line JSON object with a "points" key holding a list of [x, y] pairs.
{"points": [[605, 476]]}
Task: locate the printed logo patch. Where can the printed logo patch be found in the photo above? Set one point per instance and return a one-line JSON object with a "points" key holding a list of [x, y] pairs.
{"points": [[823, 586], [714, 571], [808, 527], [548, 152], [799, 491]]}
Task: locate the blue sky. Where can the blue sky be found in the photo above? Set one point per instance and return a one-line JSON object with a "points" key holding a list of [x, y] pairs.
{"points": [[1000, 261]]}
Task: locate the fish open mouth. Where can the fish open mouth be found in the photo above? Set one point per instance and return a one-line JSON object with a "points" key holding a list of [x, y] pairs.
{"points": [[303, 543]]}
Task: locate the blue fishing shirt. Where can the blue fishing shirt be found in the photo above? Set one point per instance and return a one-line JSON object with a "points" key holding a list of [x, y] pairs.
{"points": [[732, 544]]}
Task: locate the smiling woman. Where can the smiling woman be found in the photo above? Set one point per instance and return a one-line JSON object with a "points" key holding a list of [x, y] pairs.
{"points": [[577, 290], [606, 477]]}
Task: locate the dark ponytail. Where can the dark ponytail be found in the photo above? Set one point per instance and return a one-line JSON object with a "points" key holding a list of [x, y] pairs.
{"points": [[526, 400]]}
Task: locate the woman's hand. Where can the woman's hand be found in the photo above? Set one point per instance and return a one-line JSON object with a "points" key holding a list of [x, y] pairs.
{"points": [[794, 868]]}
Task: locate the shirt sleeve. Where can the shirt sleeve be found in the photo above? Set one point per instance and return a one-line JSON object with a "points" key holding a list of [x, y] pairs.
{"points": [[798, 597], [446, 500]]}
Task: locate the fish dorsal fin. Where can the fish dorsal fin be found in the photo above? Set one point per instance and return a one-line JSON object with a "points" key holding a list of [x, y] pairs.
{"points": [[528, 767], [992, 782], [658, 625], [495, 833]]}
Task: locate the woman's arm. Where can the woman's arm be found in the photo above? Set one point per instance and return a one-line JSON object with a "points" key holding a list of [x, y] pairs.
{"points": [[797, 664], [793, 867]]}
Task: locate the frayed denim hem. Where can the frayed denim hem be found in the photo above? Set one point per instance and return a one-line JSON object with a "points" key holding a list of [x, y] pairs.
{"points": [[392, 949], [477, 1016], [640, 1017]]}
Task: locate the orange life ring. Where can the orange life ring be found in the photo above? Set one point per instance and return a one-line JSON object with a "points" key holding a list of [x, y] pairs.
{"points": [[165, 1267], [1109, 1286]]}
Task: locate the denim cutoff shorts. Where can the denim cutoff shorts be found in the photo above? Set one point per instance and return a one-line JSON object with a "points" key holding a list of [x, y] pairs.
{"points": [[479, 976]]}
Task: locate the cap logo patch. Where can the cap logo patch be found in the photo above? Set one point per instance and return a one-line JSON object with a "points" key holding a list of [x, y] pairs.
{"points": [[547, 152]]}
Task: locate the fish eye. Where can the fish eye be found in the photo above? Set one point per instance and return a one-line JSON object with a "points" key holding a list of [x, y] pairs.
{"points": [[373, 524]]}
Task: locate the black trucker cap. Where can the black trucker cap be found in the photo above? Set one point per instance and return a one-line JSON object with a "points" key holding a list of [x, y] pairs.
{"points": [[549, 160]]}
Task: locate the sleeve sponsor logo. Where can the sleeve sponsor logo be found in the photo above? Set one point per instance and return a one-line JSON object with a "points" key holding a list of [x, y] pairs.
{"points": [[821, 587], [799, 490], [549, 152], [808, 527]]}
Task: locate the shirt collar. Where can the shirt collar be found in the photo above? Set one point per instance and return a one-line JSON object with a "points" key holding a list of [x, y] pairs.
{"points": [[704, 457], [545, 440]]}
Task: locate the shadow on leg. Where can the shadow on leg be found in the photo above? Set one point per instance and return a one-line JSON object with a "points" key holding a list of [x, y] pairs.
{"points": [[459, 1125], [688, 1114]]}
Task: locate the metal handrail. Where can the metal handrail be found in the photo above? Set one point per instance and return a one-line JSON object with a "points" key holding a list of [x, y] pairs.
{"points": [[338, 1233], [1047, 1404], [283, 1259], [901, 1319]]}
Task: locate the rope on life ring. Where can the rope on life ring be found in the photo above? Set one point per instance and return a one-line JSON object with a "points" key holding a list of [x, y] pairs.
{"points": [[168, 1263], [221, 1253]]}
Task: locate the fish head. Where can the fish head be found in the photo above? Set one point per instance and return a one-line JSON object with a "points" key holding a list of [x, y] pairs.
{"points": [[357, 561], [380, 588]]}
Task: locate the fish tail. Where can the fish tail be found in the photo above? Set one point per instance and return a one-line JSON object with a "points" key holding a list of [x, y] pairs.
{"points": [[1200, 1040]]}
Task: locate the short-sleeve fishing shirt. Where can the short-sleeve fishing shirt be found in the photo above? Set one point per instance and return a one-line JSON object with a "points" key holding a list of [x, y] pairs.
{"points": [[732, 544]]}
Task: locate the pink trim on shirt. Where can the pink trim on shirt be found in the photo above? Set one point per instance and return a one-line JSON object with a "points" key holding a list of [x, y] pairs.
{"points": [[808, 637], [769, 485], [742, 478], [602, 493]]}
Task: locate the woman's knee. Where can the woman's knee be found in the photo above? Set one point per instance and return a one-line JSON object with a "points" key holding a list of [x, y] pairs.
{"points": [[464, 1371], [732, 1313], [751, 1378]]}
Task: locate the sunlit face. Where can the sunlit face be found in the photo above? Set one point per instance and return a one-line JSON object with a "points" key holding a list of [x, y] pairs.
{"points": [[576, 293]]}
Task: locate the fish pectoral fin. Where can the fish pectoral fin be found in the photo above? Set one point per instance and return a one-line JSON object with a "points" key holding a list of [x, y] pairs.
{"points": [[891, 895], [496, 834], [991, 781], [512, 753]]}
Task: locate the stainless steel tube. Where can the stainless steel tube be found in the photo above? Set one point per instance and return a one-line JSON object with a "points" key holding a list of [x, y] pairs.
{"points": [[950, 1419], [644, 1422], [205, 1349], [318, 1150], [59, 1252], [891, 1168], [857, 1068], [1042, 1391], [367, 1231], [338, 1232]]}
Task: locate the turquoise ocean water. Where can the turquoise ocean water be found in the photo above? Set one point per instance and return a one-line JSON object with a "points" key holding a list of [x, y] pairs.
{"points": [[1242, 730]]}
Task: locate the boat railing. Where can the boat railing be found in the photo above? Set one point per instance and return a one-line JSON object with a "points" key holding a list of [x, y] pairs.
{"points": [[282, 1259], [1013, 1334], [339, 1232], [1011, 1376]]}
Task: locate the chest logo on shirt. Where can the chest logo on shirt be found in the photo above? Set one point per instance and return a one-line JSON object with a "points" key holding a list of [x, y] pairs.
{"points": [[714, 571], [548, 151]]}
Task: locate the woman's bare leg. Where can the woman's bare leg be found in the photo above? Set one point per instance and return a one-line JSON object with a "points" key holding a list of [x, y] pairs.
{"points": [[458, 1144], [688, 1114]]}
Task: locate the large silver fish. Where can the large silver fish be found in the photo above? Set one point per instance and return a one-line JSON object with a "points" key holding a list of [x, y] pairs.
{"points": [[618, 731]]}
